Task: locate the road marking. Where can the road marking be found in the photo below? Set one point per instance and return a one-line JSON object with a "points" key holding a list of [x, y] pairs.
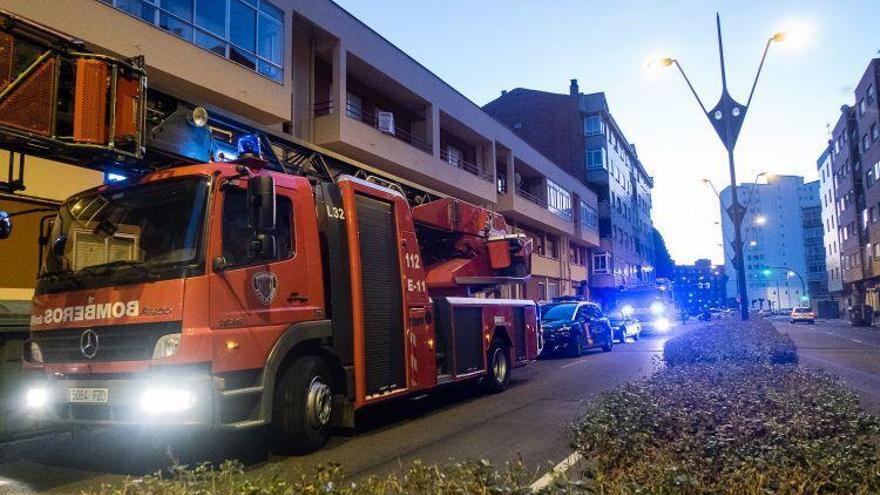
{"points": [[560, 468], [579, 361], [857, 340], [829, 333]]}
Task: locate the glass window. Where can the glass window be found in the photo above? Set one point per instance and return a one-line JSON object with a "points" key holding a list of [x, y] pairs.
{"points": [[211, 15], [138, 8], [270, 10], [270, 40], [558, 200], [862, 107], [870, 93], [211, 43], [589, 217], [242, 25], [182, 9], [596, 158], [176, 27], [248, 32], [237, 235], [601, 263], [593, 125]]}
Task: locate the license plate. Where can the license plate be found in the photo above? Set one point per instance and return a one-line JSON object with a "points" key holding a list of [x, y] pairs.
{"points": [[88, 395]]}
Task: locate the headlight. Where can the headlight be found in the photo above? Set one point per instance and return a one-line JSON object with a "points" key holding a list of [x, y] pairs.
{"points": [[35, 354], [36, 398], [627, 310], [161, 400], [657, 308], [661, 324], [167, 346]]}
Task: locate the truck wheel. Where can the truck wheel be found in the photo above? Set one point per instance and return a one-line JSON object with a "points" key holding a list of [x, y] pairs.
{"points": [[498, 374], [302, 406]]}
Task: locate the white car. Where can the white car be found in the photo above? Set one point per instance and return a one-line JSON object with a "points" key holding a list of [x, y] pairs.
{"points": [[802, 314]]}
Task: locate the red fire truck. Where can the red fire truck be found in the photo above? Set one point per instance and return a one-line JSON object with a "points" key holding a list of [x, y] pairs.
{"points": [[242, 292]]}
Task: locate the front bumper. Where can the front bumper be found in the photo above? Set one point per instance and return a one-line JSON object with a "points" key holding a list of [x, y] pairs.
{"points": [[124, 403]]}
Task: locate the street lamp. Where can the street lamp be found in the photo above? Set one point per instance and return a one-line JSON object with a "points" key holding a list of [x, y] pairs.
{"points": [[789, 272], [760, 220], [727, 118]]}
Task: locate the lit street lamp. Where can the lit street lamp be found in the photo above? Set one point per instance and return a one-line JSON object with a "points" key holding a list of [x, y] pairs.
{"points": [[760, 220], [726, 118]]}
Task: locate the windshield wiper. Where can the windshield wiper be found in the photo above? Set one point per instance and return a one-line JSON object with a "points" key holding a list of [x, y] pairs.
{"points": [[107, 268]]}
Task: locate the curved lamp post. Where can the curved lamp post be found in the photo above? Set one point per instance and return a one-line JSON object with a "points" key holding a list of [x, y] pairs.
{"points": [[727, 118]]}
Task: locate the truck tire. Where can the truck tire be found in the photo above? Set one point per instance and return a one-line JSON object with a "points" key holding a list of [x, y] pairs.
{"points": [[498, 362], [302, 407]]}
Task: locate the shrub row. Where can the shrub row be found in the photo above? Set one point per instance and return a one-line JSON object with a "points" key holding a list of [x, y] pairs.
{"points": [[754, 341], [724, 420], [474, 477]]}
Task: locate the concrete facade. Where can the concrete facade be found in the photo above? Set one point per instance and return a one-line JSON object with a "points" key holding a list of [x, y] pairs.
{"points": [[578, 132], [338, 78], [776, 240], [855, 169]]}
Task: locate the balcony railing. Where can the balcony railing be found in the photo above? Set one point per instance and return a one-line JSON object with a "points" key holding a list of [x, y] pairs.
{"points": [[323, 108], [371, 119], [464, 165], [531, 197]]}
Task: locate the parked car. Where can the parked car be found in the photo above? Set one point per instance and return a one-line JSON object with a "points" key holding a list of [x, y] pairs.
{"points": [[803, 314], [573, 327], [624, 325]]}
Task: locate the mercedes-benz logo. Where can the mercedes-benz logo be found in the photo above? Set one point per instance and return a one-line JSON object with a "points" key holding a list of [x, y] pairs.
{"points": [[88, 343]]}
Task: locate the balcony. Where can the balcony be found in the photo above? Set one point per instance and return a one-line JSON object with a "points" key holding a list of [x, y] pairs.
{"points": [[356, 112], [460, 163]]}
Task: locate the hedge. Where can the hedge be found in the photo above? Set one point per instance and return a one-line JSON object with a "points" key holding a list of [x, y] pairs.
{"points": [[754, 341], [723, 417]]}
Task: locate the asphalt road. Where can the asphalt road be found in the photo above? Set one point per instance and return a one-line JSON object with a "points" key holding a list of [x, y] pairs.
{"points": [[529, 421], [852, 353]]}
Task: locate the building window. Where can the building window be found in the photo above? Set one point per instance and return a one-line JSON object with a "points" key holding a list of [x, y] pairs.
{"points": [[865, 143], [870, 93], [602, 263], [862, 107], [596, 159], [874, 132], [247, 32], [552, 247], [589, 217], [593, 125], [558, 200]]}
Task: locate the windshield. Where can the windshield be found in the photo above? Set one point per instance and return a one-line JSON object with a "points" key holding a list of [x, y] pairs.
{"points": [[558, 312], [124, 236]]}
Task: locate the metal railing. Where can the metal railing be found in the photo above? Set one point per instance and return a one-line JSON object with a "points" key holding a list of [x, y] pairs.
{"points": [[464, 165], [322, 108], [371, 119]]}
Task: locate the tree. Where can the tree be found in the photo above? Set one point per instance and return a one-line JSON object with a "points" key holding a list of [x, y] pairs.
{"points": [[663, 264]]}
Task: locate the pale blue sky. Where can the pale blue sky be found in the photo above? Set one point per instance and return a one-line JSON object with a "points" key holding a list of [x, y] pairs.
{"points": [[482, 47]]}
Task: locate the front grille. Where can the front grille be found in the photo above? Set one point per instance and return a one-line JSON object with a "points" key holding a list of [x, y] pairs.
{"points": [[115, 343]]}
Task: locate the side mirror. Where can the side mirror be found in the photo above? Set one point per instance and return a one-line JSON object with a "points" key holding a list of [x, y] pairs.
{"points": [[5, 225], [263, 246], [58, 247], [261, 199], [219, 264]]}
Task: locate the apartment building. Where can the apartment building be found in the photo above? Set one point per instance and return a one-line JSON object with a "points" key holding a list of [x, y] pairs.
{"points": [[578, 132], [783, 246], [855, 169], [831, 305], [699, 286], [310, 71]]}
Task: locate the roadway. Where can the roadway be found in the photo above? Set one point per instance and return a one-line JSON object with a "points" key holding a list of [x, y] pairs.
{"points": [[529, 421], [852, 353]]}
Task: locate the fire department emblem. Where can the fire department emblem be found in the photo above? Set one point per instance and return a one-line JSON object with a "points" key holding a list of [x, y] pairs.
{"points": [[265, 285]]}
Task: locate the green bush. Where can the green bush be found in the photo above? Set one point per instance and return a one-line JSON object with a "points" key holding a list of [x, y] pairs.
{"points": [[723, 418], [477, 477], [755, 341]]}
